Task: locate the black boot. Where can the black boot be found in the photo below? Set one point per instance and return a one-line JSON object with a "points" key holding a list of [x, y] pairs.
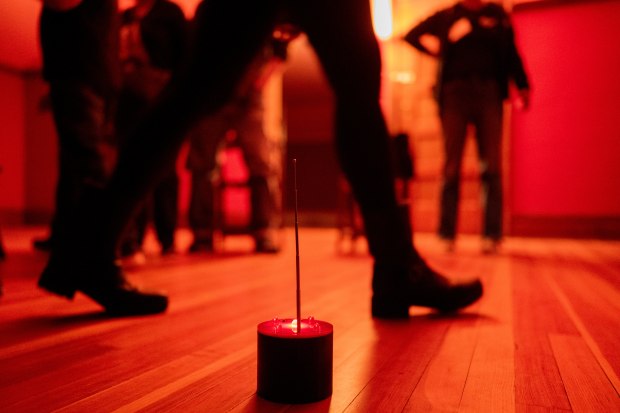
{"points": [[401, 278], [83, 259], [396, 288], [105, 284]]}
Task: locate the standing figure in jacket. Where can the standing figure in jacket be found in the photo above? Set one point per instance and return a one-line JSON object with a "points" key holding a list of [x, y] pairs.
{"points": [[474, 42]]}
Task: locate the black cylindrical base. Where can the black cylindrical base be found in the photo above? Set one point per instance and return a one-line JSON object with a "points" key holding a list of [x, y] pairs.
{"points": [[295, 369]]}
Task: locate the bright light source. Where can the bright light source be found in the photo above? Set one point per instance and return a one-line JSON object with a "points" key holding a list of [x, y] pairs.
{"points": [[382, 18]]}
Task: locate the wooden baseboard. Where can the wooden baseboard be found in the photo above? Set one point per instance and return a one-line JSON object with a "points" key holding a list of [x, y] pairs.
{"points": [[314, 219], [566, 227], [11, 217]]}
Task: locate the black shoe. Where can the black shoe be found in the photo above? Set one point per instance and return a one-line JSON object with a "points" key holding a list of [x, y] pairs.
{"points": [[129, 248], [266, 245], [394, 292], [168, 250], [490, 245], [43, 244], [201, 246], [105, 284]]}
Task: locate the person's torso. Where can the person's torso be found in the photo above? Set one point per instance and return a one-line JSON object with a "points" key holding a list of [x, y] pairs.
{"points": [[475, 51], [160, 36], [82, 44]]}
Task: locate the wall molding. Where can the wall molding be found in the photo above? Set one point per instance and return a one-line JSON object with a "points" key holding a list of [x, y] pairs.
{"points": [[604, 227]]}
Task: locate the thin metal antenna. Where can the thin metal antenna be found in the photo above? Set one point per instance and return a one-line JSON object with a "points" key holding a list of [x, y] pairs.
{"points": [[298, 279]]}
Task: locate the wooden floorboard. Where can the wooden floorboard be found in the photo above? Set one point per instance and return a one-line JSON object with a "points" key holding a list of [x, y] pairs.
{"points": [[544, 338]]}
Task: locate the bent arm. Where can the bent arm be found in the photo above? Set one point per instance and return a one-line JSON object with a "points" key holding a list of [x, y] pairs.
{"points": [[61, 5], [425, 34]]}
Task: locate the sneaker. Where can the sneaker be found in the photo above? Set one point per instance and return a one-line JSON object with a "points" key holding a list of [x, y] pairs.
{"points": [[201, 246], [266, 245], [490, 246]]}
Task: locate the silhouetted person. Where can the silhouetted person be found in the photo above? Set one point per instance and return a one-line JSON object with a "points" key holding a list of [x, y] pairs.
{"points": [[478, 57], [79, 50], [228, 36], [154, 37], [243, 116]]}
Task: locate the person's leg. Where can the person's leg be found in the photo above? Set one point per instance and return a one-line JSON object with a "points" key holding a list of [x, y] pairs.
{"points": [[133, 236], [165, 210], [131, 108], [265, 194], [200, 213], [85, 153], [454, 118], [205, 142], [488, 122], [342, 35], [226, 41]]}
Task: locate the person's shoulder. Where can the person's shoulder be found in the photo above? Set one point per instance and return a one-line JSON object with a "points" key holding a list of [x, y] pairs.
{"points": [[495, 9], [498, 12], [128, 15], [448, 11], [442, 14], [170, 6]]}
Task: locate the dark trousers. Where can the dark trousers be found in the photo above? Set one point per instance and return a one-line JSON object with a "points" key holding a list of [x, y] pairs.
{"points": [[262, 157], [160, 206], [86, 151], [476, 102], [342, 36]]}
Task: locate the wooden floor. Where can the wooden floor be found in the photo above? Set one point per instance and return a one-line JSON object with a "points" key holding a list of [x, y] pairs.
{"points": [[545, 336]]}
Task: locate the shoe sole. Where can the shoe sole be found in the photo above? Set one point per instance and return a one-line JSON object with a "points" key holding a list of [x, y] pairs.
{"points": [[59, 289], [51, 282], [384, 307]]}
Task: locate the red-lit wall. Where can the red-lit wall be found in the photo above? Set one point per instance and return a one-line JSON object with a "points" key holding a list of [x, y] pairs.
{"points": [[12, 146], [566, 149], [564, 152]]}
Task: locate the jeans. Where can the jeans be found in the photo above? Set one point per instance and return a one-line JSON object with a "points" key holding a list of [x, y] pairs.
{"points": [[161, 205], [262, 155], [86, 150], [476, 102]]}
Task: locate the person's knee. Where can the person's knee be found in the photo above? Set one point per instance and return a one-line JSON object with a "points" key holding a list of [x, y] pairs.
{"points": [[451, 182], [491, 177]]}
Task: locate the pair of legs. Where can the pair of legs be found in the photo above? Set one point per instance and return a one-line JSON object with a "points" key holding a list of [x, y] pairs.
{"points": [[342, 36], [476, 102], [161, 208], [263, 159], [161, 205]]}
